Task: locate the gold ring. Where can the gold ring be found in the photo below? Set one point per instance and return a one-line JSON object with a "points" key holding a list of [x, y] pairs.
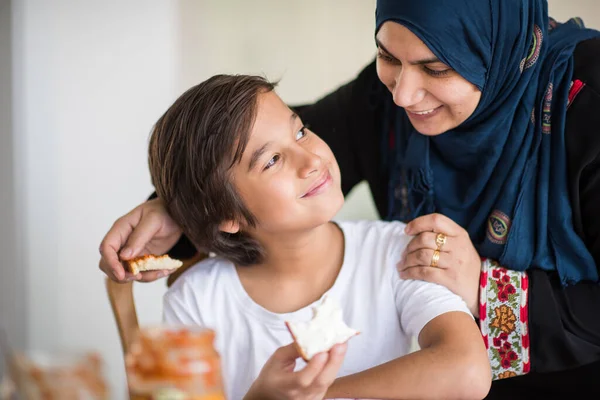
{"points": [[440, 240], [435, 259]]}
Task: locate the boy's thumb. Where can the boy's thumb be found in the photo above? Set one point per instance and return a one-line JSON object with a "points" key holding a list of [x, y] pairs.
{"points": [[286, 354]]}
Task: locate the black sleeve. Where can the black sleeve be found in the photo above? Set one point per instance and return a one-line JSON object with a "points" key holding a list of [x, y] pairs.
{"points": [[565, 321], [183, 248]]}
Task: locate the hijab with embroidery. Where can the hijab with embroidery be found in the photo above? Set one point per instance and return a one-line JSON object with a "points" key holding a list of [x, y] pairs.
{"points": [[502, 174]]}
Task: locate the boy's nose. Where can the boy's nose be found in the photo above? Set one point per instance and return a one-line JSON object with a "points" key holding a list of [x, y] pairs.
{"points": [[311, 164]]}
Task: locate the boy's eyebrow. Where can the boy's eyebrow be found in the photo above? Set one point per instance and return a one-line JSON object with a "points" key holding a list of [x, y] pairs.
{"points": [[430, 60], [256, 155], [259, 152]]}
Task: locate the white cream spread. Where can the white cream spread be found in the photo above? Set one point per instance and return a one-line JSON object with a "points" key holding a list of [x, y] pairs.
{"points": [[326, 329]]}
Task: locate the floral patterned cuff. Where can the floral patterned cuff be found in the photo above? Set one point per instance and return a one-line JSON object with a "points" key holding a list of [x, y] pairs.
{"points": [[503, 319]]}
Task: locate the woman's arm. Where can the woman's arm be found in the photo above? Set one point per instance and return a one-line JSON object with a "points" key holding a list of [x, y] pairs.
{"points": [[564, 323], [563, 329], [529, 321], [450, 364]]}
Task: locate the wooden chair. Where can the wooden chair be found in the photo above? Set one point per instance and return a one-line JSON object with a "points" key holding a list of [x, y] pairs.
{"points": [[122, 302]]}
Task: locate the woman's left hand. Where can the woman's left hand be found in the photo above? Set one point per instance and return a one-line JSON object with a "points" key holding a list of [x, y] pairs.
{"points": [[458, 266]]}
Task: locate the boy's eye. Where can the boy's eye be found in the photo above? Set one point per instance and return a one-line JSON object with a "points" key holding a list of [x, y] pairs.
{"points": [[301, 133], [272, 161]]}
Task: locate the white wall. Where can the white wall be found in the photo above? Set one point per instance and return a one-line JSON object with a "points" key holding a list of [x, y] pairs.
{"points": [[588, 10], [12, 282], [89, 80]]}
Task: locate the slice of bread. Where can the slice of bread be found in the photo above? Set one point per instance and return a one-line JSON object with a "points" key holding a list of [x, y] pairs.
{"points": [[326, 329], [151, 262]]}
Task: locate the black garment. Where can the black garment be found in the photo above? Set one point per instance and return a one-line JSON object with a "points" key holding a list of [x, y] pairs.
{"points": [[564, 322]]}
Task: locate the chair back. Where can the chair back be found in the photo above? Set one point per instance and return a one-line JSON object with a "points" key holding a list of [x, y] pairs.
{"points": [[122, 302]]}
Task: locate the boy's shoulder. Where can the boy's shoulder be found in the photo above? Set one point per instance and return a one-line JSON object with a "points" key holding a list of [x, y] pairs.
{"points": [[205, 274], [377, 234]]}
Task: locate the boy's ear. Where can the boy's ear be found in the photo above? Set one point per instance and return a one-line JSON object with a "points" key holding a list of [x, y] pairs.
{"points": [[229, 227]]}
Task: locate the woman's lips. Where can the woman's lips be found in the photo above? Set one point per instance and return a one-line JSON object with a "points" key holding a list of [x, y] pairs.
{"points": [[424, 114], [320, 185]]}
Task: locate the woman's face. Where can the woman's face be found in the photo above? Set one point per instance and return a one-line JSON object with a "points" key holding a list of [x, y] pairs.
{"points": [[436, 98]]}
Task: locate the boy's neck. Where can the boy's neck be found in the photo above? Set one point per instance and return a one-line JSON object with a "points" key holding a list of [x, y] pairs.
{"points": [[301, 254], [297, 270]]}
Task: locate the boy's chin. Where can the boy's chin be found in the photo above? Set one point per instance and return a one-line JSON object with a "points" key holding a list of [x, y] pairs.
{"points": [[335, 208]]}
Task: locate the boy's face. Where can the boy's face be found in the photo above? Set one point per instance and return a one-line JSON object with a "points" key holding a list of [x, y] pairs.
{"points": [[288, 177]]}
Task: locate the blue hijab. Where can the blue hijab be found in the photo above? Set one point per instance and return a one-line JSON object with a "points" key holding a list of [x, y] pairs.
{"points": [[502, 174]]}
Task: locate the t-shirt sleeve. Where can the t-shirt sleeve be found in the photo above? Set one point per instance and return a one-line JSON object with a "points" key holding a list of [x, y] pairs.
{"points": [[180, 307], [418, 302]]}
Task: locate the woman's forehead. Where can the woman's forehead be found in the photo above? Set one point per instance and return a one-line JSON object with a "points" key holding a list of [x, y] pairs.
{"points": [[399, 41]]}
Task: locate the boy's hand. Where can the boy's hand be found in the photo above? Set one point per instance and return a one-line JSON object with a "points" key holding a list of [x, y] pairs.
{"points": [[277, 379], [147, 229]]}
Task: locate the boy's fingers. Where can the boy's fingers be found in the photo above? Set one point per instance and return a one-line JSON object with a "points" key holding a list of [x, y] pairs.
{"points": [[286, 354], [333, 365], [305, 377]]}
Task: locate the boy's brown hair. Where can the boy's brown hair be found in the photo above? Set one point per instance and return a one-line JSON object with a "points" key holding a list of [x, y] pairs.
{"points": [[192, 149]]}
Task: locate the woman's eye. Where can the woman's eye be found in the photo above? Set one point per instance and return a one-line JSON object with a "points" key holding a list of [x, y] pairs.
{"points": [[301, 133], [434, 72], [272, 161], [386, 57]]}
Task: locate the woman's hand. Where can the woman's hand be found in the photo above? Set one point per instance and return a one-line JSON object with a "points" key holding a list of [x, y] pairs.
{"points": [[147, 229], [459, 265], [277, 379]]}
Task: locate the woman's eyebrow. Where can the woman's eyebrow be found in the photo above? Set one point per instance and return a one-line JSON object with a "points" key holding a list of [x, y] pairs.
{"points": [[382, 47], [429, 60]]}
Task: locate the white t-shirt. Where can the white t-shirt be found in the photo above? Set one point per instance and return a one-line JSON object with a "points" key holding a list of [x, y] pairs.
{"points": [[387, 310]]}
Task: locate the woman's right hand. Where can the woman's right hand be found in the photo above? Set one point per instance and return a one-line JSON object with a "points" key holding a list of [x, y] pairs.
{"points": [[278, 380], [147, 229]]}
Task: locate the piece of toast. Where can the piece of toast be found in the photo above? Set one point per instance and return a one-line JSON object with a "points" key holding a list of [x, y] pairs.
{"points": [[150, 262], [296, 344], [326, 329]]}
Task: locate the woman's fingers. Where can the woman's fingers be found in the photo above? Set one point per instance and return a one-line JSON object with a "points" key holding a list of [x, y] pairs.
{"points": [[437, 223], [151, 276], [427, 240], [145, 228], [424, 258], [429, 274], [116, 237]]}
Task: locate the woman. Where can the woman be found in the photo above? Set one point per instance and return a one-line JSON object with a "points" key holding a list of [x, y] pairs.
{"points": [[476, 123]]}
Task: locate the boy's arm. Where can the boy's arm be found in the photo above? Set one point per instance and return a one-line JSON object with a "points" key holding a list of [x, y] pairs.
{"points": [[452, 364]]}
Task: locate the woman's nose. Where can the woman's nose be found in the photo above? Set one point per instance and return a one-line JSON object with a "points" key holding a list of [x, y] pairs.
{"points": [[408, 89]]}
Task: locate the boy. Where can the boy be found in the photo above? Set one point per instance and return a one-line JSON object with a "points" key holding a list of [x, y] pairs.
{"points": [[245, 180]]}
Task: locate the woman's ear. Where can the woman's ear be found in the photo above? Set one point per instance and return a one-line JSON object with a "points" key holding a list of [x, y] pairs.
{"points": [[229, 227]]}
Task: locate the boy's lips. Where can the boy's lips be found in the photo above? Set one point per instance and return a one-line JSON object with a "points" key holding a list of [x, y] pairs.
{"points": [[322, 183]]}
